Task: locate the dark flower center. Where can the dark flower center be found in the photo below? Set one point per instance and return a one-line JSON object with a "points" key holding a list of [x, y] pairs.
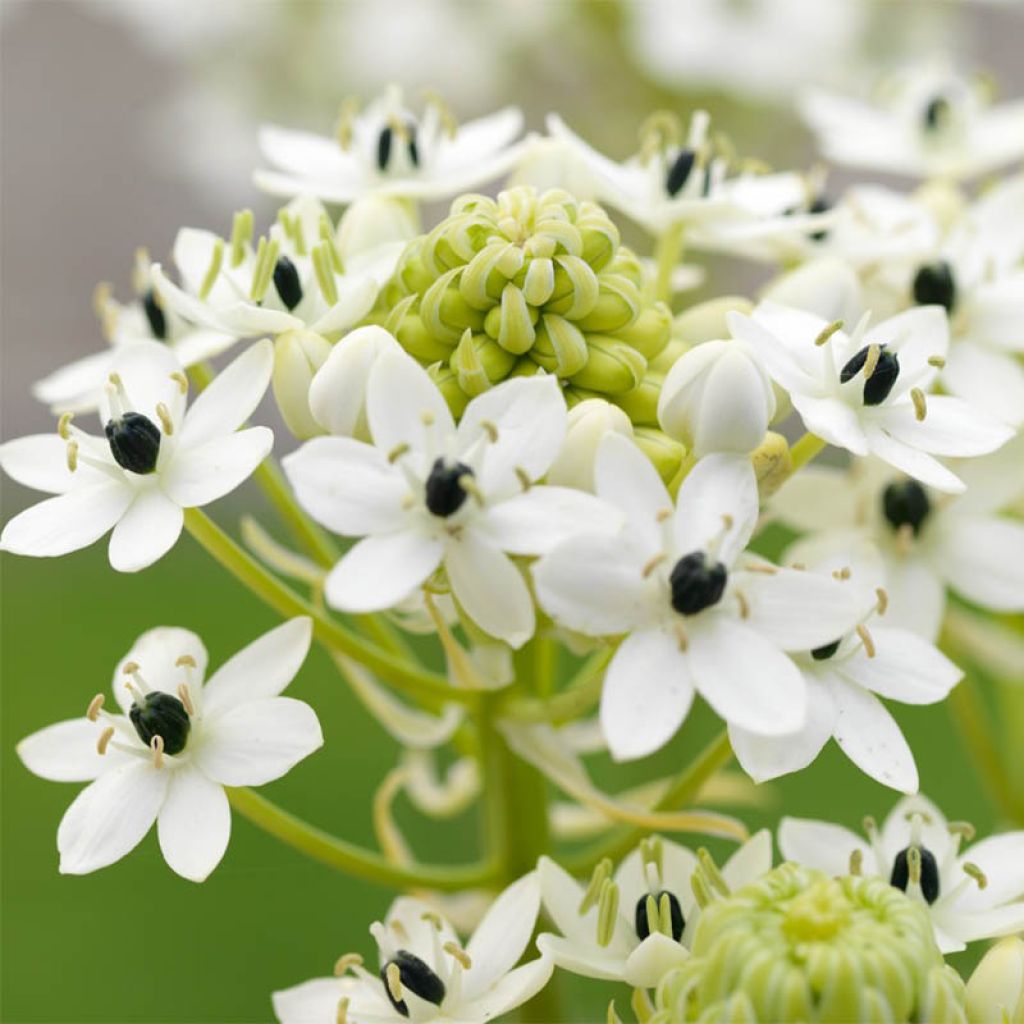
{"points": [[934, 285], [286, 281], [906, 503], [696, 583], [643, 924], [134, 442], [882, 379], [826, 651], [819, 205], [417, 977], [385, 142], [155, 315], [679, 171], [160, 714], [900, 877], [936, 113], [445, 493]]}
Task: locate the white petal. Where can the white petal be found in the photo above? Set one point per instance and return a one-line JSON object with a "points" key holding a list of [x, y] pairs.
{"points": [[561, 895], [917, 335], [68, 522], [146, 532], [490, 588], [983, 559], [209, 470], [258, 741], [313, 1002], [586, 959], [647, 693], [817, 498], [833, 420], [356, 296], [530, 417], [650, 961], [40, 461], [261, 669], [677, 867], [145, 369], [200, 344], [871, 739], [905, 667], [400, 396], [917, 597], [502, 936], [986, 378], [897, 827], [986, 924], [157, 653], [717, 507], [746, 679], [951, 427], [475, 140], [76, 387], [348, 486], [912, 461], [822, 845], [1001, 859], [66, 752], [798, 610], [381, 571], [231, 397], [750, 861], [194, 824], [510, 991], [110, 817], [624, 476]]}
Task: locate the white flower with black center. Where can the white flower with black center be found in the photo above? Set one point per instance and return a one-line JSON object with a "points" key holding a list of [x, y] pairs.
{"points": [[679, 180], [845, 680], [970, 895], [637, 924], [927, 122], [425, 972], [78, 386], [176, 744], [700, 617], [427, 495], [928, 541], [156, 458], [867, 391], [388, 150]]}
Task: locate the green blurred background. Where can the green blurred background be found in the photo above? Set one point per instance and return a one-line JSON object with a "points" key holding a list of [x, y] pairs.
{"points": [[122, 120]]}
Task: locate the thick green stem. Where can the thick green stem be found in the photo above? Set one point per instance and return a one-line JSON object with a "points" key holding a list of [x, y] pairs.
{"points": [[354, 860], [667, 254], [579, 696], [401, 674]]}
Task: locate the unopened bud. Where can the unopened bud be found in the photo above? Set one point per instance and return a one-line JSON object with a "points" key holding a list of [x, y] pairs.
{"points": [[706, 321], [298, 355], [995, 991], [666, 454], [588, 423]]}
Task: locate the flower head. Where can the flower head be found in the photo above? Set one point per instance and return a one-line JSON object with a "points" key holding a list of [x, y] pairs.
{"points": [[156, 458], [174, 747]]}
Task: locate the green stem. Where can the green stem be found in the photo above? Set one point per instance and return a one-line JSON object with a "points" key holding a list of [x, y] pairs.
{"points": [[400, 674], [683, 791], [580, 695], [319, 545], [667, 253], [804, 450], [352, 859]]}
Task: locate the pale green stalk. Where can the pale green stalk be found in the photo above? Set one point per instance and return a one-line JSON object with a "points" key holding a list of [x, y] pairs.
{"points": [[805, 449], [668, 251]]}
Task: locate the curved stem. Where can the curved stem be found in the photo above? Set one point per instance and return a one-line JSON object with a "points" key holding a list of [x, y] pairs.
{"points": [[579, 696], [350, 858], [805, 449], [668, 250], [315, 540], [400, 674]]}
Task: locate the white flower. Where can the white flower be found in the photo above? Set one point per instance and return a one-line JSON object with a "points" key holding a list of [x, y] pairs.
{"points": [[927, 541], [927, 122], [844, 682], [995, 991], [588, 424], [426, 974], [155, 460], [629, 946], [675, 181], [292, 280], [970, 895], [177, 744], [78, 386], [700, 618], [865, 391], [387, 150], [717, 398], [426, 495]]}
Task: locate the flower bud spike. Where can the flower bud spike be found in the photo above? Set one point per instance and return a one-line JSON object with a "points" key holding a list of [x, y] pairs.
{"points": [[866, 640], [827, 332], [457, 953], [607, 911], [920, 405], [92, 712], [156, 744], [241, 235], [602, 872], [711, 872], [164, 416], [213, 270], [345, 962], [104, 741], [973, 871]]}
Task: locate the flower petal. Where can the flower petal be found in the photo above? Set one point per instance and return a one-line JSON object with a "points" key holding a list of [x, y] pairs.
{"points": [[510, 991], [66, 752], [904, 667], [261, 669], [404, 406], [982, 557], [822, 845], [145, 369], [951, 427], [194, 824], [1001, 859], [110, 817], [586, 959], [381, 571], [157, 653], [647, 693], [650, 961], [489, 587], [917, 597], [561, 895], [258, 741], [312, 1002], [209, 470], [40, 461], [750, 861], [912, 461], [146, 532]]}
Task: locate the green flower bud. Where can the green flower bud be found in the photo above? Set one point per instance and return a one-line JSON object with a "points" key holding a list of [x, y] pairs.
{"points": [[995, 992], [706, 321], [666, 454], [297, 357], [797, 945], [534, 278]]}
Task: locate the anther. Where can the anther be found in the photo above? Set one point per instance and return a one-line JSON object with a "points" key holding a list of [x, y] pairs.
{"points": [[662, 514], [345, 962], [601, 873], [397, 452], [856, 862], [92, 712], [711, 872], [181, 380], [104, 741], [885, 368], [826, 332], [524, 478], [427, 418], [866, 640], [393, 977], [937, 361], [920, 406], [743, 603], [973, 871], [842, 574], [64, 425], [701, 892], [883, 600], [652, 563], [681, 638], [213, 270], [459, 954], [72, 455], [964, 829], [341, 1014], [871, 360], [185, 696], [490, 430], [607, 911], [164, 415], [156, 744]]}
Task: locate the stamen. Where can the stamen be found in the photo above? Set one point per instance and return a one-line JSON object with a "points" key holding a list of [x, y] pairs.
{"points": [[762, 567], [826, 332], [431, 918], [842, 574], [427, 418], [681, 638], [104, 741], [607, 911], [72, 455], [905, 538], [799, 566], [883, 600], [866, 640], [701, 892], [652, 854], [453, 950], [662, 514], [601, 874], [327, 238], [64, 425], [937, 361], [467, 481], [973, 871], [213, 271], [92, 712], [870, 827], [324, 270], [185, 696], [743, 603], [393, 979], [711, 872], [164, 416], [524, 478], [241, 235], [490, 430], [652, 563], [920, 406], [914, 865], [397, 452], [263, 270], [181, 380], [341, 1016], [856, 862], [345, 962], [449, 123], [156, 744], [346, 119], [964, 829], [871, 360]]}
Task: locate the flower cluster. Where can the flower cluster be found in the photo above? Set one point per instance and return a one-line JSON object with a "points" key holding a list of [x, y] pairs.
{"points": [[508, 433]]}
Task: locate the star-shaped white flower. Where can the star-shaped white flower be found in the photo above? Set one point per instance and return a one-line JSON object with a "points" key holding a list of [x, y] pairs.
{"points": [[426, 974], [677, 181], [969, 895], [387, 150], [928, 541], [156, 459], [177, 743], [866, 391], [426, 494], [78, 386], [927, 123], [699, 616], [634, 945]]}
